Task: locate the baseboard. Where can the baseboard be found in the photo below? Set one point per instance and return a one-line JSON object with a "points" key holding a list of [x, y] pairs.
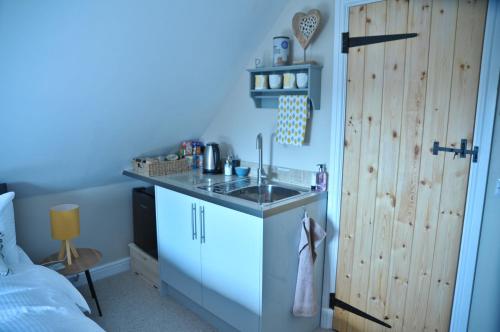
{"points": [[103, 271], [327, 318]]}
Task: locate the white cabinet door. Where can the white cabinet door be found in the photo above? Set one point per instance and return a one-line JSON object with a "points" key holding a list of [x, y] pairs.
{"points": [[231, 255], [179, 242]]}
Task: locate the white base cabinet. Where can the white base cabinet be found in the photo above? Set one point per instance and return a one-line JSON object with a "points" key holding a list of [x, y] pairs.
{"points": [[238, 267], [178, 249], [231, 260]]}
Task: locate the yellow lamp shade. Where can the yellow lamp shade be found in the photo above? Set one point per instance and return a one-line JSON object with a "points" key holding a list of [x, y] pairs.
{"points": [[65, 221]]}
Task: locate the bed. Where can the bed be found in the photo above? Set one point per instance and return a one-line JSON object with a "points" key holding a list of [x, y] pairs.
{"points": [[35, 298]]}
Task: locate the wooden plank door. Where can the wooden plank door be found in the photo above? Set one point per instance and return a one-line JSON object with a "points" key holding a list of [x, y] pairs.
{"points": [[402, 207]]}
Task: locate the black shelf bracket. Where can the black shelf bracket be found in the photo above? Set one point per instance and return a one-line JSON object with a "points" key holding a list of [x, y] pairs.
{"points": [[462, 152], [334, 302], [348, 42]]}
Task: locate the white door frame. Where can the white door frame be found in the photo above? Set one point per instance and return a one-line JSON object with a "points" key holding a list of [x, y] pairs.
{"points": [[483, 133]]}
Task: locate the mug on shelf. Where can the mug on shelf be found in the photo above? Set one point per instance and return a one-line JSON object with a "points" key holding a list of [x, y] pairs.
{"points": [[259, 62], [302, 79], [261, 82], [275, 81], [289, 81]]}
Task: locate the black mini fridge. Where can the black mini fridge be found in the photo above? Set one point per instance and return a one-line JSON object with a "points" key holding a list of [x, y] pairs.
{"points": [[145, 220]]}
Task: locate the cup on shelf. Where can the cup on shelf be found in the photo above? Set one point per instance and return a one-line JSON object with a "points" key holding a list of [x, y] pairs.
{"points": [[261, 82], [302, 80], [275, 81], [259, 62], [289, 81]]}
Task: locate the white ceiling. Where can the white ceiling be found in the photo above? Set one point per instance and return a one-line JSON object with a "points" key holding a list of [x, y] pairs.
{"points": [[85, 86]]}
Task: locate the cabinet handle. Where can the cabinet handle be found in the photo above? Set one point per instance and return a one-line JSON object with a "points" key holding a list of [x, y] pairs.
{"points": [[193, 221], [202, 223]]}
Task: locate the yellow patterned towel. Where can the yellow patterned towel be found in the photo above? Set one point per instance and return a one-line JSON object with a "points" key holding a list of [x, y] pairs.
{"points": [[293, 112]]}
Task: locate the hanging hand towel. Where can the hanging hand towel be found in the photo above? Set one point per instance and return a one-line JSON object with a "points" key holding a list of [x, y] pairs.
{"points": [[305, 304], [293, 112]]}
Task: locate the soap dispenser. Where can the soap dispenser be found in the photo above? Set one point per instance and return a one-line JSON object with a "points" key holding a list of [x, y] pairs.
{"points": [[321, 178], [228, 167]]}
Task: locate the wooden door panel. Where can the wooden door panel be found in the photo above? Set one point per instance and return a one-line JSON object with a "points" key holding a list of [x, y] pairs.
{"points": [[392, 106], [368, 161], [352, 145], [441, 49], [419, 20], [465, 78], [402, 207]]}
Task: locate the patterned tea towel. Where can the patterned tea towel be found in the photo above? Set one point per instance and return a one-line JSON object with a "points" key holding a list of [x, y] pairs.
{"points": [[293, 111]]}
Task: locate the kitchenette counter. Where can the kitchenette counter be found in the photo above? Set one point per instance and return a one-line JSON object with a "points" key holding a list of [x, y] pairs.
{"points": [[189, 183]]}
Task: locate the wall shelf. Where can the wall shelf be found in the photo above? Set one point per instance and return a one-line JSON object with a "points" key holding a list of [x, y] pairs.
{"points": [[268, 98]]}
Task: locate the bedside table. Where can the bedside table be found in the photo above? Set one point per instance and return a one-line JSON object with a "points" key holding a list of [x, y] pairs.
{"points": [[88, 259]]}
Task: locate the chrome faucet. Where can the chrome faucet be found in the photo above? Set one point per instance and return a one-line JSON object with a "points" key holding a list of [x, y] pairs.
{"points": [[260, 171]]}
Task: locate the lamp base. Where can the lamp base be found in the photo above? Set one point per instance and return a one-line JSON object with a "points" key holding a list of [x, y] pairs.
{"points": [[69, 250]]}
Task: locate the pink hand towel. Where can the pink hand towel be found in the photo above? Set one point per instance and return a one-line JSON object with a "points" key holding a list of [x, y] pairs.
{"points": [[305, 304]]}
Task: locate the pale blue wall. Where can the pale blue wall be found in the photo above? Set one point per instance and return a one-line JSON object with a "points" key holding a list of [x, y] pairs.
{"points": [[247, 121], [87, 85], [105, 220]]}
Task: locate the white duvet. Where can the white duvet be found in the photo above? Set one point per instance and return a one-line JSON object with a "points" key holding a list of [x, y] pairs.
{"points": [[35, 298]]}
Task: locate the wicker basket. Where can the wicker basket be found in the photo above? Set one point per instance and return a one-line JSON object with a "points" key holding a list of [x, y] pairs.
{"points": [[156, 167]]}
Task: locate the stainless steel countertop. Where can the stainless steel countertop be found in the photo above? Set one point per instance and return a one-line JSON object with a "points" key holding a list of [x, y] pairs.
{"points": [[188, 182]]}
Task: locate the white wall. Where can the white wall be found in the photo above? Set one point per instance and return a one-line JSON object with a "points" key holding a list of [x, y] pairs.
{"points": [[238, 122], [105, 220]]}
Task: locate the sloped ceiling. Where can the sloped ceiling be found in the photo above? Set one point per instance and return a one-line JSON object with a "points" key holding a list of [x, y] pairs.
{"points": [[87, 85]]}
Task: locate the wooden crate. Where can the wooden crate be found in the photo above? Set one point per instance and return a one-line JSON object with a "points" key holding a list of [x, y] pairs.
{"points": [[144, 265]]}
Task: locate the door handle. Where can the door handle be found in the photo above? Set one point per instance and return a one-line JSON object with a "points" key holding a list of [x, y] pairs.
{"points": [[202, 224], [462, 152], [193, 221]]}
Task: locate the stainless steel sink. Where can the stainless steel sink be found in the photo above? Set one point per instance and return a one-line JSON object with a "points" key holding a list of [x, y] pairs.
{"points": [[267, 193]]}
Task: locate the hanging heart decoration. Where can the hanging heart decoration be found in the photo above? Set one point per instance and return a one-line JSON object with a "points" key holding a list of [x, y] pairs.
{"points": [[305, 26]]}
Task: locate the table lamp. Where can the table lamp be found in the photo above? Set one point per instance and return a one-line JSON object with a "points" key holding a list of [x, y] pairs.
{"points": [[65, 225]]}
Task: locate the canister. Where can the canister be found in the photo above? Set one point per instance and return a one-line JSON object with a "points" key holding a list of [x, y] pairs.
{"points": [[281, 50]]}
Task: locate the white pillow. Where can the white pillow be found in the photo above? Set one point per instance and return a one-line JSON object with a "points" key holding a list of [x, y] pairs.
{"points": [[8, 230]]}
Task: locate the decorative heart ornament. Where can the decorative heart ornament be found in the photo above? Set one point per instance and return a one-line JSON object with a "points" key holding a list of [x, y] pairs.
{"points": [[305, 26]]}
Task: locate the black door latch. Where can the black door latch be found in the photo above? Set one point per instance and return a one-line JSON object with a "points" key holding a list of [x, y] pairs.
{"points": [[462, 152]]}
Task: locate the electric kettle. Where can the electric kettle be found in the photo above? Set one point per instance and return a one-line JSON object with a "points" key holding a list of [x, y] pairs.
{"points": [[211, 158]]}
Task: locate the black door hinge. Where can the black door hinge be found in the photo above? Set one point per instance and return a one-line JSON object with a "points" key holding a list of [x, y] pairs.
{"points": [[334, 302], [348, 42], [462, 152]]}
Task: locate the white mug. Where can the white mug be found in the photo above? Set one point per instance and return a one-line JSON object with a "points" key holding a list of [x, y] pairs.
{"points": [[275, 81], [302, 80], [289, 81], [260, 82], [259, 62]]}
